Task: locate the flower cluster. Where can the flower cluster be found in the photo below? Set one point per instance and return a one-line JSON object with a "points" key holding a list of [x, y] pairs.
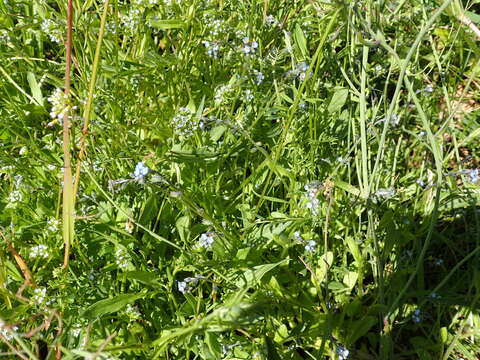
{"points": [[7, 331], [185, 122], [271, 21], [60, 106], [310, 247], [223, 93], [15, 197], [297, 236], [131, 19], [52, 224], [76, 330], [132, 312], [258, 77], [141, 170], [247, 95], [342, 352], [4, 37], [312, 189], [206, 240], [39, 251], [52, 29], [121, 259], [39, 295], [248, 46], [472, 175], [185, 286], [417, 316], [387, 193], [299, 72], [217, 26], [213, 48]]}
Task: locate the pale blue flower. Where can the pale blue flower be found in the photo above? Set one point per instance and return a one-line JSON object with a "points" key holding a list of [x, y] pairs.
{"points": [[310, 247], [473, 176], [213, 48], [297, 236], [259, 77], [183, 287], [271, 21], [249, 47], [312, 190], [342, 352], [385, 193], [417, 316], [140, 171], [206, 240]]}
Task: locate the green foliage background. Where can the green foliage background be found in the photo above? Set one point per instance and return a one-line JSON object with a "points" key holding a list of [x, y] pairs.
{"points": [[372, 104]]}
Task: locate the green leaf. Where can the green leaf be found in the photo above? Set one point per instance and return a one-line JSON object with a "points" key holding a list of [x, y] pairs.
{"points": [[338, 100], [167, 24], [108, 306], [473, 16], [213, 344], [272, 353], [444, 335], [350, 279], [242, 254], [281, 334], [183, 226], [254, 275], [149, 211], [35, 88], [359, 328], [347, 187], [354, 250], [145, 277], [300, 40], [324, 263]]}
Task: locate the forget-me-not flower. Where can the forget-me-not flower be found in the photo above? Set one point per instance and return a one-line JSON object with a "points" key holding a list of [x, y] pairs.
{"points": [[342, 352], [140, 171]]}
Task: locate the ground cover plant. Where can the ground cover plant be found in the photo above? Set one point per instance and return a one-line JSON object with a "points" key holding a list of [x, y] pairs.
{"points": [[283, 179]]}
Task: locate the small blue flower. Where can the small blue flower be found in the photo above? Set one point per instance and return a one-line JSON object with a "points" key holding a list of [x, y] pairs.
{"points": [[183, 287], [259, 77], [342, 352], [206, 240], [249, 47], [420, 183], [297, 236], [140, 171], [473, 176], [310, 247], [417, 316]]}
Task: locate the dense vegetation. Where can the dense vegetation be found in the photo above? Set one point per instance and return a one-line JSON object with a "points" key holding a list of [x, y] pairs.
{"points": [[283, 179]]}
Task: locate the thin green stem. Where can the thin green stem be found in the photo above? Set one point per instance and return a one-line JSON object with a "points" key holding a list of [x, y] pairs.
{"points": [[363, 131], [68, 215], [91, 89]]}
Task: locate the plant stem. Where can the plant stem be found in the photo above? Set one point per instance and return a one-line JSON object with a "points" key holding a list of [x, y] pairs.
{"points": [[88, 107], [68, 199]]}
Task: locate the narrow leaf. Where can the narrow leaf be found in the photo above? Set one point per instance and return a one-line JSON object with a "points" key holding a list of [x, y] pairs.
{"points": [[338, 100], [108, 306]]}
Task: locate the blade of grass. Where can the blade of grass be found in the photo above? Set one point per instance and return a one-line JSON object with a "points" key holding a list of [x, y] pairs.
{"points": [[68, 215], [91, 88]]}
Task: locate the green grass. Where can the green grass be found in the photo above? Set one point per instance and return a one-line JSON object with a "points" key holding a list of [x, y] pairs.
{"points": [[305, 180]]}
